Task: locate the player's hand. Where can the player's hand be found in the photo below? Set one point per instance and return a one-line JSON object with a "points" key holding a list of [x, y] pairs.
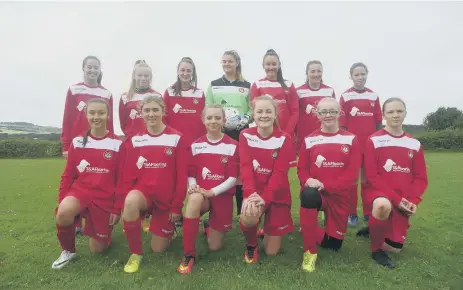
{"points": [[65, 155], [412, 207], [206, 193], [114, 219], [193, 188], [174, 217], [404, 207], [314, 183], [249, 208]]}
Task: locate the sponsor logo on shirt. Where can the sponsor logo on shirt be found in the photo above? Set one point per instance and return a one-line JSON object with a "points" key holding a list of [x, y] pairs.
{"points": [[207, 175], [356, 112], [81, 106], [309, 109], [391, 166], [179, 109], [84, 166], [259, 169], [321, 162], [142, 163], [134, 114]]}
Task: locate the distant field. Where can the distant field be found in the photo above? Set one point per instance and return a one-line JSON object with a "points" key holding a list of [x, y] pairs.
{"points": [[432, 258], [13, 131]]}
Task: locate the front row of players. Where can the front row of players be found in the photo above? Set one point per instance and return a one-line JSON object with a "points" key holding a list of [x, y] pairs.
{"points": [[150, 171]]}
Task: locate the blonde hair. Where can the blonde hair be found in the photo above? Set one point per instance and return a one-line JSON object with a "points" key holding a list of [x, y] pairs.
{"points": [[222, 109], [152, 99], [236, 56], [138, 64], [270, 99], [329, 99]]}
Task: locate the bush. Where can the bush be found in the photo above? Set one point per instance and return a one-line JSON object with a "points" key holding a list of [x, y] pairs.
{"points": [[24, 148], [442, 140]]}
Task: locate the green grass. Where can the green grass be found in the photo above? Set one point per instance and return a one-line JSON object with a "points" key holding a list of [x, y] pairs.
{"points": [[432, 258]]}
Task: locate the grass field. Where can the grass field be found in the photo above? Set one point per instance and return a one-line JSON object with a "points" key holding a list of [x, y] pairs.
{"points": [[432, 258]]}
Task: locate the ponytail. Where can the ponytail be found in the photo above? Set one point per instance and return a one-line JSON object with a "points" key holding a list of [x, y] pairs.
{"points": [[100, 77], [85, 140], [280, 78]]}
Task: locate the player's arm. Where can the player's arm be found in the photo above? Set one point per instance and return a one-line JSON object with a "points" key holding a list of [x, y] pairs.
{"points": [[110, 122], [127, 176], [181, 166], [254, 92], [167, 107], [209, 95], [69, 175], [348, 178], [123, 115], [378, 115], [293, 104], [117, 172], [343, 114], [231, 172], [372, 174], [68, 117], [420, 177], [280, 170], [303, 164], [246, 167]]}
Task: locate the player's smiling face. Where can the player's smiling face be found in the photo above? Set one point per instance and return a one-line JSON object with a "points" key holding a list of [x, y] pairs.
{"points": [[264, 114], [97, 115], [185, 72], [328, 111], [92, 70], [271, 67], [394, 114], [213, 119], [142, 77], [359, 77], [152, 114], [315, 73], [229, 64]]}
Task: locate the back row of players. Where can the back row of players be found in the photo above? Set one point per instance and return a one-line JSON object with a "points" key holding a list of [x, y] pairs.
{"points": [[178, 138]]}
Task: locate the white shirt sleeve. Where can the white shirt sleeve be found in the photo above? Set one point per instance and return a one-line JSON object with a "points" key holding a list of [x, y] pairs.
{"points": [[224, 186], [192, 181]]}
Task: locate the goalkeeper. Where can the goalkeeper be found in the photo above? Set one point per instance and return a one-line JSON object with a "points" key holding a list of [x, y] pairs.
{"points": [[232, 92]]}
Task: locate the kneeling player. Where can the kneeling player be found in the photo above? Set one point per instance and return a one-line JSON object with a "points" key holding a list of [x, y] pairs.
{"points": [[329, 160], [154, 180], [266, 153], [212, 178], [397, 178], [88, 185]]}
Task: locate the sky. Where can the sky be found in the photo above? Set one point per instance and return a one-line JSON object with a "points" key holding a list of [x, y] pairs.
{"points": [[413, 50]]}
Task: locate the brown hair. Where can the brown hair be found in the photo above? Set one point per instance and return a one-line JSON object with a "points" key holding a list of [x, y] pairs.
{"points": [[307, 70], [203, 114], [152, 98], [177, 86], [138, 63], [236, 56], [280, 78], [356, 65], [393, 99], [272, 101], [100, 77], [96, 101]]}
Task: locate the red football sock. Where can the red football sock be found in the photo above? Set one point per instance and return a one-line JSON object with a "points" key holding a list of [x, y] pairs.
{"points": [[78, 222], [377, 233], [67, 237], [133, 234], [190, 230], [320, 235], [250, 234], [309, 229], [367, 207]]}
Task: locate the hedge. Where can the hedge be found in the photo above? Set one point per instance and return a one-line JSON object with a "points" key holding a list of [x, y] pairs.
{"points": [[27, 148]]}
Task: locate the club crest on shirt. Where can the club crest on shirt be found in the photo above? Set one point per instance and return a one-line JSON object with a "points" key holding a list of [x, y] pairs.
{"points": [[241, 90], [410, 154], [195, 101], [169, 151], [275, 154], [224, 159], [108, 155], [372, 104], [345, 149]]}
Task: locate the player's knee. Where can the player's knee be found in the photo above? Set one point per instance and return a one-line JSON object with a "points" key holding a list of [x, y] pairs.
{"points": [[158, 248], [195, 200], [97, 247], [248, 221], [64, 217], [310, 198], [271, 251], [132, 201], [215, 245], [381, 208]]}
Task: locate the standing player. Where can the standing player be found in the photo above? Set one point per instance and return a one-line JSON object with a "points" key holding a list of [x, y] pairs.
{"points": [[232, 92], [154, 180], [396, 175], [140, 86], [74, 117], [329, 161], [185, 102], [281, 90], [361, 116], [310, 94], [88, 185], [211, 176], [266, 153]]}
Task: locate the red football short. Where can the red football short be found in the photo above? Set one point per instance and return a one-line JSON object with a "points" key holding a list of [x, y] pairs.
{"points": [[96, 219], [221, 212], [337, 210], [160, 224], [277, 220]]}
